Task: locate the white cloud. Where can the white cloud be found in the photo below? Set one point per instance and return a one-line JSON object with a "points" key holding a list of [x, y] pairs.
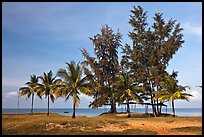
{"points": [[192, 29], [12, 94], [196, 95], [85, 97]]}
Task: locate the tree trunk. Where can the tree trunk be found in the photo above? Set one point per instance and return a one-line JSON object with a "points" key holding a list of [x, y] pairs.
{"points": [[153, 108], [73, 115], [32, 103], [173, 108], [160, 108], [113, 106], [158, 113], [152, 102], [48, 103], [18, 102], [128, 108]]}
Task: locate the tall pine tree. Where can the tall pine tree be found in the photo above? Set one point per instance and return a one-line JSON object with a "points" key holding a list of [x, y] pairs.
{"points": [[152, 48], [104, 67]]}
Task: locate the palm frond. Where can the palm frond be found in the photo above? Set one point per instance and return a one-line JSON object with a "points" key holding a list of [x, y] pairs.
{"points": [[52, 98], [24, 91], [63, 74], [85, 90], [68, 95], [122, 97], [28, 95]]}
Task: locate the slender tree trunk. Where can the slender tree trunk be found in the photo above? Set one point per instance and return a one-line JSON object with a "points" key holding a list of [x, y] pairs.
{"points": [[153, 108], [160, 108], [73, 115], [128, 108], [157, 104], [32, 103], [152, 102], [151, 94], [173, 108], [18, 102], [48, 103]]}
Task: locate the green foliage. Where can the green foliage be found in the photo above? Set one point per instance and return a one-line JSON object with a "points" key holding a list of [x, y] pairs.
{"points": [[105, 66], [127, 90], [171, 90], [47, 87], [111, 81], [152, 48], [72, 83], [31, 89]]}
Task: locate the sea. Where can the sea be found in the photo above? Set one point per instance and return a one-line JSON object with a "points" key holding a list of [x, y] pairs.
{"points": [[95, 112]]}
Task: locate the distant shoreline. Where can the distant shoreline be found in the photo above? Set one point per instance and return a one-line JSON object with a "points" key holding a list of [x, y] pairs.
{"points": [[120, 114], [96, 112], [92, 108]]}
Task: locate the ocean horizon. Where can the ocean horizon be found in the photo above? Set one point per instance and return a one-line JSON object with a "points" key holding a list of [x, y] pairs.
{"points": [[98, 111]]}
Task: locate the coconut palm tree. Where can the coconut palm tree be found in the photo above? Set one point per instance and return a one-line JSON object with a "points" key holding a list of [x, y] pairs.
{"points": [[127, 90], [47, 87], [30, 90], [172, 91], [72, 84]]}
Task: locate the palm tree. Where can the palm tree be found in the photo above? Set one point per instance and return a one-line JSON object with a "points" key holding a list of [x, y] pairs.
{"points": [[73, 84], [30, 90], [47, 87], [172, 91], [127, 90]]}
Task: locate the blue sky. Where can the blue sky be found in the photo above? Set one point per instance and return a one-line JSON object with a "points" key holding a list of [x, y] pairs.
{"points": [[38, 37]]}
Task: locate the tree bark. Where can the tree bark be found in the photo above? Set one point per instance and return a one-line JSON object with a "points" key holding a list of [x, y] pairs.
{"points": [[73, 115], [157, 104], [173, 108], [152, 102], [160, 108], [128, 108], [113, 106], [32, 103], [48, 103], [151, 94]]}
